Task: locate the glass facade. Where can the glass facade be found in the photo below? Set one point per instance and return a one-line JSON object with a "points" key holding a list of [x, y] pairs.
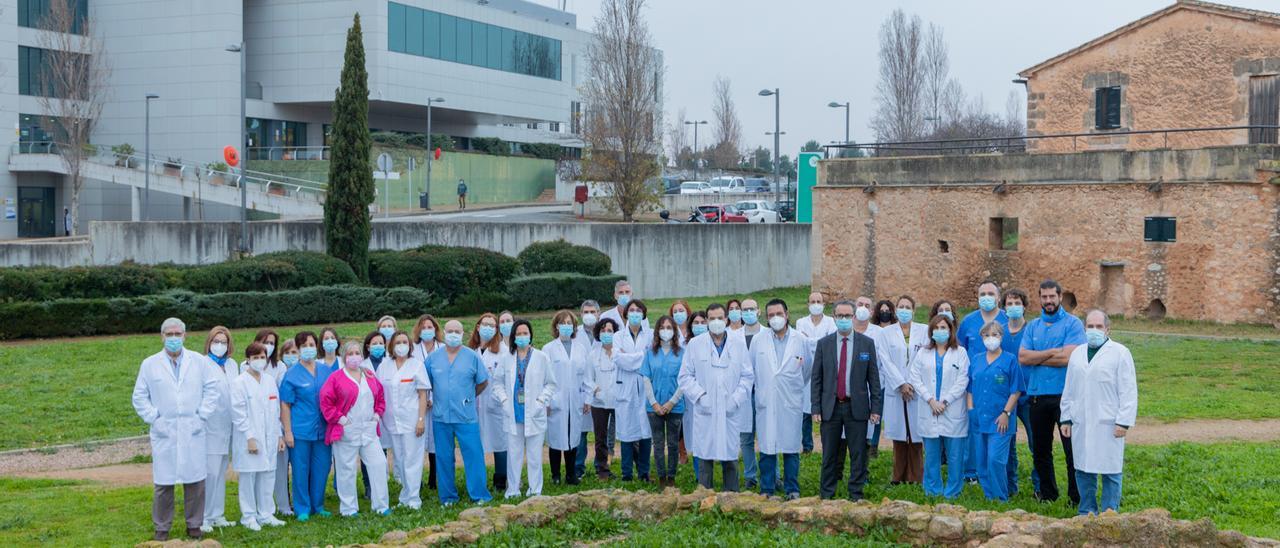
{"points": [[426, 33], [269, 139], [31, 14]]}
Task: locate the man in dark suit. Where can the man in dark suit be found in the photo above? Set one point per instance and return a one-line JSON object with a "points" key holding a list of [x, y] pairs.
{"points": [[846, 395]]}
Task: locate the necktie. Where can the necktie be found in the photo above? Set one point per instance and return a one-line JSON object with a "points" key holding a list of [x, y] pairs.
{"points": [[842, 392]]}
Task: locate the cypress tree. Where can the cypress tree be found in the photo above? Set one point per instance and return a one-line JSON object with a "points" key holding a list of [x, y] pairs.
{"points": [[346, 204]]}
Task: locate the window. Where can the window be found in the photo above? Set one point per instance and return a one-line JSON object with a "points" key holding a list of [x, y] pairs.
{"points": [[396, 27], [531, 126], [1160, 229], [426, 33], [267, 139], [1002, 234], [32, 12], [554, 127], [1106, 103], [575, 117]]}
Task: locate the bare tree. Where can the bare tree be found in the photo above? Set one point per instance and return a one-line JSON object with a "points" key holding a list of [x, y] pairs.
{"points": [[899, 91], [728, 129], [937, 68], [677, 137], [73, 88], [622, 130]]}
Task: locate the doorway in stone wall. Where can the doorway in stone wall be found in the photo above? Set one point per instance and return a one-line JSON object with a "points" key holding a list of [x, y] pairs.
{"points": [[1111, 298]]}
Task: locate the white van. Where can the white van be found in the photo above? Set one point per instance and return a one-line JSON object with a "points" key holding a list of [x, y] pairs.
{"points": [[695, 187], [728, 184]]}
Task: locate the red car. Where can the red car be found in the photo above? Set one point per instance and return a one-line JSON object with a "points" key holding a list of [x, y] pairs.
{"points": [[720, 213]]}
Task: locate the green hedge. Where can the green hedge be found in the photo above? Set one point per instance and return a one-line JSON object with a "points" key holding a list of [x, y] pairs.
{"points": [[78, 317], [562, 256], [269, 271], [558, 290], [43, 283], [447, 272]]}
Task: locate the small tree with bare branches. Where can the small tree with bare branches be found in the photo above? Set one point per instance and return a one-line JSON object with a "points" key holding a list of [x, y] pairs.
{"points": [[728, 128]]}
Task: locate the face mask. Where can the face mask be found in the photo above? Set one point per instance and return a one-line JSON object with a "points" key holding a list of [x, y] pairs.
{"points": [[750, 316], [353, 361], [290, 360], [377, 350], [330, 345], [1096, 337], [947, 314], [680, 317], [1014, 311], [844, 325], [402, 350], [427, 335], [173, 344], [777, 323], [884, 316], [505, 328], [453, 340], [815, 309], [666, 334], [523, 341], [992, 343], [698, 329], [716, 327], [987, 303], [565, 330], [941, 336], [387, 332], [487, 332], [218, 349], [634, 317], [735, 316], [589, 319], [308, 353], [624, 300], [257, 365], [606, 338], [271, 349], [862, 313], [905, 315]]}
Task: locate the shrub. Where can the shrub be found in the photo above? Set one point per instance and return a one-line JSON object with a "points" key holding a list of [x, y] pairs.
{"points": [[491, 145], [546, 151], [448, 272], [270, 271], [42, 284], [20, 284], [557, 290], [562, 256], [478, 302]]}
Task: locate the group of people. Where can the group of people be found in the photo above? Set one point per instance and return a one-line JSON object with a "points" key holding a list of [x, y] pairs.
{"points": [[718, 383]]}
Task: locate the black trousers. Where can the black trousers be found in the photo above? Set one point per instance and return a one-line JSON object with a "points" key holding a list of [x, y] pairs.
{"points": [[833, 450], [600, 423], [1045, 412]]}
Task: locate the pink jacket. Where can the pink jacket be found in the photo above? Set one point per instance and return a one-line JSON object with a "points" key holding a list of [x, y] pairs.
{"points": [[339, 394]]}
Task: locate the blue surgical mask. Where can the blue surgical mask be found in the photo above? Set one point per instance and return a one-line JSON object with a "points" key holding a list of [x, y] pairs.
{"points": [[947, 315], [453, 340], [505, 328], [378, 350], [1014, 311], [606, 337], [387, 332], [987, 303], [308, 353], [523, 341], [680, 317], [330, 345], [751, 316], [487, 332], [290, 360], [1096, 337], [427, 335], [624, 300], [173, 344], [844, 325], [905, 315], [941, 336], [698, 329], [565, 330], [735, 316], [635, 317]]}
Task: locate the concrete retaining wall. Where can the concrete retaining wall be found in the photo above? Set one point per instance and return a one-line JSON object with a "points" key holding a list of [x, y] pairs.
{"points": [[680, 205]]}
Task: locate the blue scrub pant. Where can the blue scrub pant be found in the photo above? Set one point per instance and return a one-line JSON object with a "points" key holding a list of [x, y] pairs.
{"points": [[1024, 416], [769, 474], [468, 437], [636, 452], [310, 460], [580, 460], [747, 441], [806, 433], [971, 449], [993, 463], [1088, 485], [933, 448]]}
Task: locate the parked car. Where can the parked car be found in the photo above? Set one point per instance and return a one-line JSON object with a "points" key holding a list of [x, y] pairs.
{"points": [[758, 185], [786, 210], [721, 213], [728, 184], [695, 187], [758, 211], [671, 185]]}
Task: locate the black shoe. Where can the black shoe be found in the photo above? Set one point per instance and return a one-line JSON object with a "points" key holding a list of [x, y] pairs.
{"points": [[555, 480], [751, 486], [195, 533], [573, 480], [162, 536]]}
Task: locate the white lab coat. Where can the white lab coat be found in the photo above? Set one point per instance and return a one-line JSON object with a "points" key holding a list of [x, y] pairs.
{"points": [[813, 332], [779, 387], [896, 355], [631, 404], [493, 429], [420, 352], [1098, 395], [954, 421], [400, 387], [176, 408], [218, 440], [255, 413], [717, 390], [564, 423], [539, 390]]}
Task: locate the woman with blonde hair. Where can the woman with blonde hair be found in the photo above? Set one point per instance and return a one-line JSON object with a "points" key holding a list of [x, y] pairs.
{"points": [[489, 344], [218, 347]]}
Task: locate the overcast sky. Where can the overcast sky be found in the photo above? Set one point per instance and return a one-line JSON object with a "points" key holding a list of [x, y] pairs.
{"points": [[823, 51]]}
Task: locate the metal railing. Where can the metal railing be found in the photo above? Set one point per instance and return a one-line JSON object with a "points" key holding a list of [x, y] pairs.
{"points": [[1255, 132], [288, 153]]}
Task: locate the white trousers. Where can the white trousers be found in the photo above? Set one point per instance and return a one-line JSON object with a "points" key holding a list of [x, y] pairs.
{"points": [[346, 466], [215, 487], [407, 451], [282, 483], [255, 496], [522, 448]]}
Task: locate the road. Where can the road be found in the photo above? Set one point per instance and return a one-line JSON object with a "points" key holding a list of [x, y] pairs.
{"points": [[529, 214]]}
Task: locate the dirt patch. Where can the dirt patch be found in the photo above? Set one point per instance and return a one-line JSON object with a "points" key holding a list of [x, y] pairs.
{"points": [[69, 457], [119, 475]]}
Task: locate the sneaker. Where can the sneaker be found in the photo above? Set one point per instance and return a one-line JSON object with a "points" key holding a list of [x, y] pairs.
{"points": [[793, 496], [271, 521], [323, 513], [304, 517], [251, 525], [206, 528], [220, 522], [384, 512]]}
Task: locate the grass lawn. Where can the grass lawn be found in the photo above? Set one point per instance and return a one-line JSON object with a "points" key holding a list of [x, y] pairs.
{"points": [[1234, 484], [1172, 373]]}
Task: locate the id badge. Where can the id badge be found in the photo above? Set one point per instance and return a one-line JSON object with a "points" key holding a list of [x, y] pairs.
{"points": [[520, 397]]}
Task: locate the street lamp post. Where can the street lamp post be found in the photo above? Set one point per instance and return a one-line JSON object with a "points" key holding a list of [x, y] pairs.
{"points": [[845, 106], [146, 197], [244, 158], [777, 130], [695, 125], [431, 152]]}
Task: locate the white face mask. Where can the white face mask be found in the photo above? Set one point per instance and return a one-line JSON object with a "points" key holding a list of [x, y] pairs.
{"points": [[777, 323], [271, 349], [815, 309], [258, 365], [402, 350], [717, 326], [862, 313], [666, 334], [589, 319], [992, 343], [218, 349]]}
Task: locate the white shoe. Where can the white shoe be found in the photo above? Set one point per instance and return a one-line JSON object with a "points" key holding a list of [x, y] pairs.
{"points": [[221, 522], [251, 525], [271, 521], [206, 528]]}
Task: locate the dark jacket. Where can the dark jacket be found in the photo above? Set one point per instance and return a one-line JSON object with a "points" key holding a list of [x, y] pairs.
{"points": [[865, 394]]}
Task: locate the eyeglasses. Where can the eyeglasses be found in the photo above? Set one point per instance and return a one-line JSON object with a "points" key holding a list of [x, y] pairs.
{"points": [[844, 316]]}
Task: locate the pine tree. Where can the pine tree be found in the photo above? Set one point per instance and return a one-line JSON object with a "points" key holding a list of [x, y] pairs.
{"points": [[346, 205]]}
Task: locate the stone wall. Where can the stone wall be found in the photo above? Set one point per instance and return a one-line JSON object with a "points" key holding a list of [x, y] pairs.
{"points": [[1189, 68]]}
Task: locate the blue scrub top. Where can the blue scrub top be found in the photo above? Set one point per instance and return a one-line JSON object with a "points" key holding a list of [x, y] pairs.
{"points": [[522, 365], [301, 390], [991, 385], [1011, 343], [662, 368], [968, 334], [453, 385], [1044, 333], [937, 374]]}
